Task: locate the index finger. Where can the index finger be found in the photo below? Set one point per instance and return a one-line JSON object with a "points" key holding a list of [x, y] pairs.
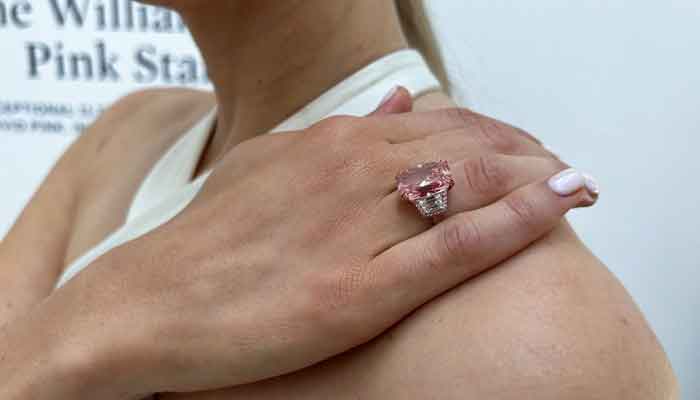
{"points": [[401, 128]]}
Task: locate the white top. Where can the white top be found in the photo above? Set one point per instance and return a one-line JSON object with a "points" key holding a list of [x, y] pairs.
{"points": [[167, 189]]}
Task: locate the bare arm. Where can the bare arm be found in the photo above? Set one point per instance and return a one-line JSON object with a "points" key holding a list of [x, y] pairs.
{"points": [[34, 344], [32, 254], [551, 323]]}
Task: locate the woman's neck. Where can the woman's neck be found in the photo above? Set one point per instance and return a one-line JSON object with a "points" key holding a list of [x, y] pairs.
{"points": [[269, 58]]}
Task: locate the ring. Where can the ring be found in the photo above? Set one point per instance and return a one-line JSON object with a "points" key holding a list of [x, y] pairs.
{"points": [[426, 186]]}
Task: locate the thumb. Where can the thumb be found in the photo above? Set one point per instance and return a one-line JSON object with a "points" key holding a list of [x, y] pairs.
{"points": [[397, 101]]}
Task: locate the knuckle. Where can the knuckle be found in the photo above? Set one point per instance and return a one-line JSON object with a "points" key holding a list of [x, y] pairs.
{"points": [[494, 135], [338, 156], [460, 236], [522, 211], [382, 160], [461, 116], [486, 175], [334, 128], [344, 164]]}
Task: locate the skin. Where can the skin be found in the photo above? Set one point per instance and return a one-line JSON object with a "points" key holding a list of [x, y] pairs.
{"points": [[550, 322], [314, 301]]}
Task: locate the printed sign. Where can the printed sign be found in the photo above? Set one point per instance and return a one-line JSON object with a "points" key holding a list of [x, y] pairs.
{"points": [[65, 60], [62, 62]]}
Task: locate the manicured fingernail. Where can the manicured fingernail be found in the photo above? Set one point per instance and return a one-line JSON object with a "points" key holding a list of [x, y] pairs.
{"points": [[388, 96], [567, 182], [592, 184]]}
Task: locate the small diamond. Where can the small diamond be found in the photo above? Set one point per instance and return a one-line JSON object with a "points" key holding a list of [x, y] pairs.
{"points": [[424, 180]]}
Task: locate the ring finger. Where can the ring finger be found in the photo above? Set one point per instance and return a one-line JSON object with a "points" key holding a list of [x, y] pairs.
{"points": [[479, 181]]}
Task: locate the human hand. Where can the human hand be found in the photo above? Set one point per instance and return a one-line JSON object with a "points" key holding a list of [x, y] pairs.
{"points": [[238, 288]]}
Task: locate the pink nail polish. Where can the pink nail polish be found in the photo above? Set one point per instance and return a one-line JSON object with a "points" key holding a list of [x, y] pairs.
{"points": [[567, 182]]}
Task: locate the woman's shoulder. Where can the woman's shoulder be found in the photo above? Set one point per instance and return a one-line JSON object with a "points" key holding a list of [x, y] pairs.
{"points": [[113, 156], [140, 125], [87, 192], [125, 141], [155, 111]]}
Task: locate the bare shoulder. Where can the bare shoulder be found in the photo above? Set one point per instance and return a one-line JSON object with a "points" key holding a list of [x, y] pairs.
{"points": [[120, 149], [85, 194], [550, 323], [146, 114]]}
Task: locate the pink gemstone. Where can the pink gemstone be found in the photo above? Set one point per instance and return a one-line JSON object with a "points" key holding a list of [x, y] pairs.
{"points": [[424, 180]]}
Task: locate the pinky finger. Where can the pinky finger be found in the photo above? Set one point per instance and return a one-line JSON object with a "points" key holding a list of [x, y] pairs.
{"points": [[469, 243]]}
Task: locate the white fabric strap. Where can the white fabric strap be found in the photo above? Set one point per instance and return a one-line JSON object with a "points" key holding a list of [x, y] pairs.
{"points": [[174, 169], [350, 97]]}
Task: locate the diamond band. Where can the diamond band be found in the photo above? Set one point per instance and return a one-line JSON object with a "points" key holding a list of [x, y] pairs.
{"points": [[432, 205]]}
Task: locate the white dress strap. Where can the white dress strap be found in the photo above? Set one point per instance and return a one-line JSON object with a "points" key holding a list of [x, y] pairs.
{"points": [[405, 67], [175, 168]]}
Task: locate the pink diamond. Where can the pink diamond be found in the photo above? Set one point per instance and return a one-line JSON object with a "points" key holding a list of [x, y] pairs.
{"points": [[424, 180]]}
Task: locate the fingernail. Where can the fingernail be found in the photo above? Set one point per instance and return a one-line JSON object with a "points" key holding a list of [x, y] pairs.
{"points": [[388, 96], [592, 184], [587, 200], [567, 182]]}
